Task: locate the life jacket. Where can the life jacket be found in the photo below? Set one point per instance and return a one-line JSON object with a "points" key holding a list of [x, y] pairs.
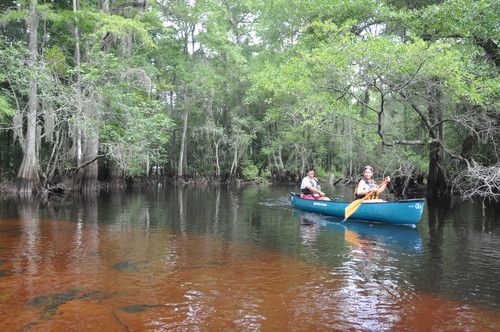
{"points": [[371, 185], [306, 191]]}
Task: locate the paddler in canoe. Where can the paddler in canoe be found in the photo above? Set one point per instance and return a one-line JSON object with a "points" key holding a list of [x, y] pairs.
{"points": [[310, 187], [366, 184], [366, 191]]}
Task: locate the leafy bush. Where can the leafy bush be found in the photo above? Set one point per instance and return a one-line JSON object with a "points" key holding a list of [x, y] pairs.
{"points": [[250, 170]]}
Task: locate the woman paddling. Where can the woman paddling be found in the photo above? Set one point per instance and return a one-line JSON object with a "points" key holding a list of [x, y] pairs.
{"points": [[367, 184]]}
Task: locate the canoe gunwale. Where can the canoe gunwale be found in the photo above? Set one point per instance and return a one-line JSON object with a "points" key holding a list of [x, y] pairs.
{"points": [[406, 200]]}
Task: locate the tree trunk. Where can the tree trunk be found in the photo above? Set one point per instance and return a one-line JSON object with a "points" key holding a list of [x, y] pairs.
{"points": [[217, 162], [78, 89], [182, 152], [437, 184], [85, 178], [28, 179], [116, 179], [87, 137]]}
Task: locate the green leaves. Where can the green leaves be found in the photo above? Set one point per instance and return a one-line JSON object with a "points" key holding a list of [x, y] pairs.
{"points": [[121, 26], [458, 19], [333, 73], [5, 108], [267, 85], [56, 60], [135, 131]]}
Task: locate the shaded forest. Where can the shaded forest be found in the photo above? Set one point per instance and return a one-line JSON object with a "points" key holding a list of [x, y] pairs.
{"points": [[112, 93]]}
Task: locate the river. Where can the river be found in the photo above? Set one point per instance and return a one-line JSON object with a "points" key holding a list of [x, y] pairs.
{"points": [[242, 259]]}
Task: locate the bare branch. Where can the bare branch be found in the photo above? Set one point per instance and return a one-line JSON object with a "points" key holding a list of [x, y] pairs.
{"points": [[422, 115], [87, 163], [406, 142], [478, 182], [119, 7]]}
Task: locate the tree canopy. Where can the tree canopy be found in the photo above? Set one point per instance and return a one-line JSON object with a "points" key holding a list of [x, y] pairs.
{"points": [[236, 89]]}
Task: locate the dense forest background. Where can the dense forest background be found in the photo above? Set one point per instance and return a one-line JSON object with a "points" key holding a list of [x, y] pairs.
{"points": [[103, 91]]}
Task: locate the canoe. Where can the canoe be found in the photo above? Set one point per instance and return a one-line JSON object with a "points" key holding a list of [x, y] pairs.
{"points": [[403, 212]]}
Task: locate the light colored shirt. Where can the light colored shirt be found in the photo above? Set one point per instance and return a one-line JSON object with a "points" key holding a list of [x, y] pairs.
{"points": [[310, 182]]}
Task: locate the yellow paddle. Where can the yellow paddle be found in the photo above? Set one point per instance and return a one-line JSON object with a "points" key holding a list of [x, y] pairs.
{"points": [[351, 208]]}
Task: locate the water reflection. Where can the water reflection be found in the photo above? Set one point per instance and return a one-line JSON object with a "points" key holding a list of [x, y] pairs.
{"points": [[376, 286], [398, 238]]}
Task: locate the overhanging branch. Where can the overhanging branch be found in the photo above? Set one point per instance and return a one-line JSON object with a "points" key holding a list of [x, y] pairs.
{"points": [[87, 163]]}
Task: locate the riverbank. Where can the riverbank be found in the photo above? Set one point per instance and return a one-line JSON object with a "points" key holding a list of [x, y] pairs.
{"points": [[9, 188], [397, 186]]}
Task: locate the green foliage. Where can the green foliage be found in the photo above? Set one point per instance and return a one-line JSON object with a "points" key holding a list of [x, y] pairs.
{"points": [[5, 109], [268, 87], [121, 26], [7, 61], [333, 69], [249, 170], [136, 131], [56, 60], [458, 18], [13, 15]]}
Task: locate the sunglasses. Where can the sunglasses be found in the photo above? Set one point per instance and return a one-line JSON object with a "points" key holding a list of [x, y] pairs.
{"points": [[368, 167]]}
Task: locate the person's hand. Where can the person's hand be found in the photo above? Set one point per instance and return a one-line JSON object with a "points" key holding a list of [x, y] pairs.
{"points": [[321, 193], [388, 178]]}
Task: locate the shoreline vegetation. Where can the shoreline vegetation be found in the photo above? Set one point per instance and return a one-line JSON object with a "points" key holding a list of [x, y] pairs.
{"points": [[399, 186], [114, 94]]}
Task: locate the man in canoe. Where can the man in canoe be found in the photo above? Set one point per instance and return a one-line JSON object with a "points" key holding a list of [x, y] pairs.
{"points": [[367, 184], [310, 187]]}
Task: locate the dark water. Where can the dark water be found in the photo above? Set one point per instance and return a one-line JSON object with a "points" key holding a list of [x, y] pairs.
{"points": [[242, 259]]}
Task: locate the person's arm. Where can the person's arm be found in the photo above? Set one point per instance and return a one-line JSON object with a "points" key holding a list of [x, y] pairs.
{"points": [[361, 190], [382, 187], [314, 190]]}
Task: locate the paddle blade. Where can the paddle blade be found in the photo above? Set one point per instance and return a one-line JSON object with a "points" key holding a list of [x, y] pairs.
{"points": [[351, 208]]}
